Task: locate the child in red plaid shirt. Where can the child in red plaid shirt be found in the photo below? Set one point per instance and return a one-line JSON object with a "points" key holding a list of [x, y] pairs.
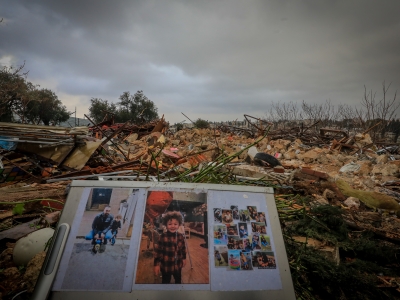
{"points": [[171, 250]]}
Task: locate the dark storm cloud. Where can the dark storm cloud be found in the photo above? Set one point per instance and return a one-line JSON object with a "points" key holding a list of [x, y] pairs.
{"points": [[207, 58]]}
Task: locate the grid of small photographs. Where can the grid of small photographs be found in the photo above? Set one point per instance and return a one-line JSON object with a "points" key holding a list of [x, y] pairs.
{"points": [[240, 239]]}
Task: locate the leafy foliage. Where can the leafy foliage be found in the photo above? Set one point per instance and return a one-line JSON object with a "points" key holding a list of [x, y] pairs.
{"points": [[46, 108], [18, 209], [326, 280], [13, 91], [323, 222], [179, 126], [19, 97], [200, 123], [137, 108], [99, 108], [363, 257]]}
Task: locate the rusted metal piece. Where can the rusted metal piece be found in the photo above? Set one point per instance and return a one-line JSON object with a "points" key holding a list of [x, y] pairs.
{"points": [[324, 131], [310, 126], [261, 129], [86, 176], [372, 127], [114, 133], [37, 179], [187, 117], [362, 149], [141, 130], [89, 172], [236, 130], [116, 146]]}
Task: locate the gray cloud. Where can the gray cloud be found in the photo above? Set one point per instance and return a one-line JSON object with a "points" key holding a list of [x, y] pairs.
{"points": [[216, 59]]}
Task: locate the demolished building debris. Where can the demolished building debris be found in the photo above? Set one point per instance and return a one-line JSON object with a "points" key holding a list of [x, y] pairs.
{"points": [[329, 166]]}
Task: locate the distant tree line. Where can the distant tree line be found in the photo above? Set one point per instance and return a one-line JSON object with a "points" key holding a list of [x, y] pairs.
{"points": [[21, 101], [136, 108], [368, 113], [24, 102]]}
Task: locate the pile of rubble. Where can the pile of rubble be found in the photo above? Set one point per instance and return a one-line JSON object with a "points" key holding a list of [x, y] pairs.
{"points": [[329, 166]]}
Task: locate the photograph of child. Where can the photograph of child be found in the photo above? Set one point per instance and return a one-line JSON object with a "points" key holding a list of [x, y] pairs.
{"points": [[174, 251], [235, 242], [220, 235], [261, 217], [245, 261], [227, 217], [235, 212], [115, 225], [170, 259], [243, 233], [234, 259], [263, 260], [258, 227], [231, 242], [217, 215], [244, 215], [239, 244], [252, 212], [221, 256], [232, 229], [247, 245], [265, 242], [255, 242]]}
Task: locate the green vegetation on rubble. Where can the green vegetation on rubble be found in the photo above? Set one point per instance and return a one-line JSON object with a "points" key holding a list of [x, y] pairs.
{"points": [[362, 257], [371, 199]]}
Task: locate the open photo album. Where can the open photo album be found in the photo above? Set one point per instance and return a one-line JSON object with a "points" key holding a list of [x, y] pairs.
{"points": [[134, 238]]}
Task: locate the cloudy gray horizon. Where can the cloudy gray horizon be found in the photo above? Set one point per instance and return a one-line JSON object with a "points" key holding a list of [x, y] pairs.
{"points": [[214, 60]]}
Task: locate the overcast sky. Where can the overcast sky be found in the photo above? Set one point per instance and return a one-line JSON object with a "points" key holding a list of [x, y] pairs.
{"points": [[215, 60]]}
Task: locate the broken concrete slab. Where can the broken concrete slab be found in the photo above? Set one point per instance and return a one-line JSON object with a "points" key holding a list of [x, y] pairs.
{"points": [[350, 168], [352, 203], [386, 170]]}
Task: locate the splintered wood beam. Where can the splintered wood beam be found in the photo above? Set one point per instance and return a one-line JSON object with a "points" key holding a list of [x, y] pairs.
{"points": [[116, 146]]}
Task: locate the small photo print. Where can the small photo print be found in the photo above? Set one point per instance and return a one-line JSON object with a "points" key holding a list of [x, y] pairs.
{"points": [[234, 259], [235, 212], [235, 242], [252, 212], [232, 229], [221, 256], [243, 232], [227, 216], [261, 217], [264, 260], [247, 244], [220, 236], [258, 227], [246, 261], [244, 215], [265, 242], [255, 242], [217, 215]]}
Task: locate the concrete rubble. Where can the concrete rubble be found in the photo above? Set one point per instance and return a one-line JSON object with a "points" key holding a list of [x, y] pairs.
{"points": [[329, 165]]}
